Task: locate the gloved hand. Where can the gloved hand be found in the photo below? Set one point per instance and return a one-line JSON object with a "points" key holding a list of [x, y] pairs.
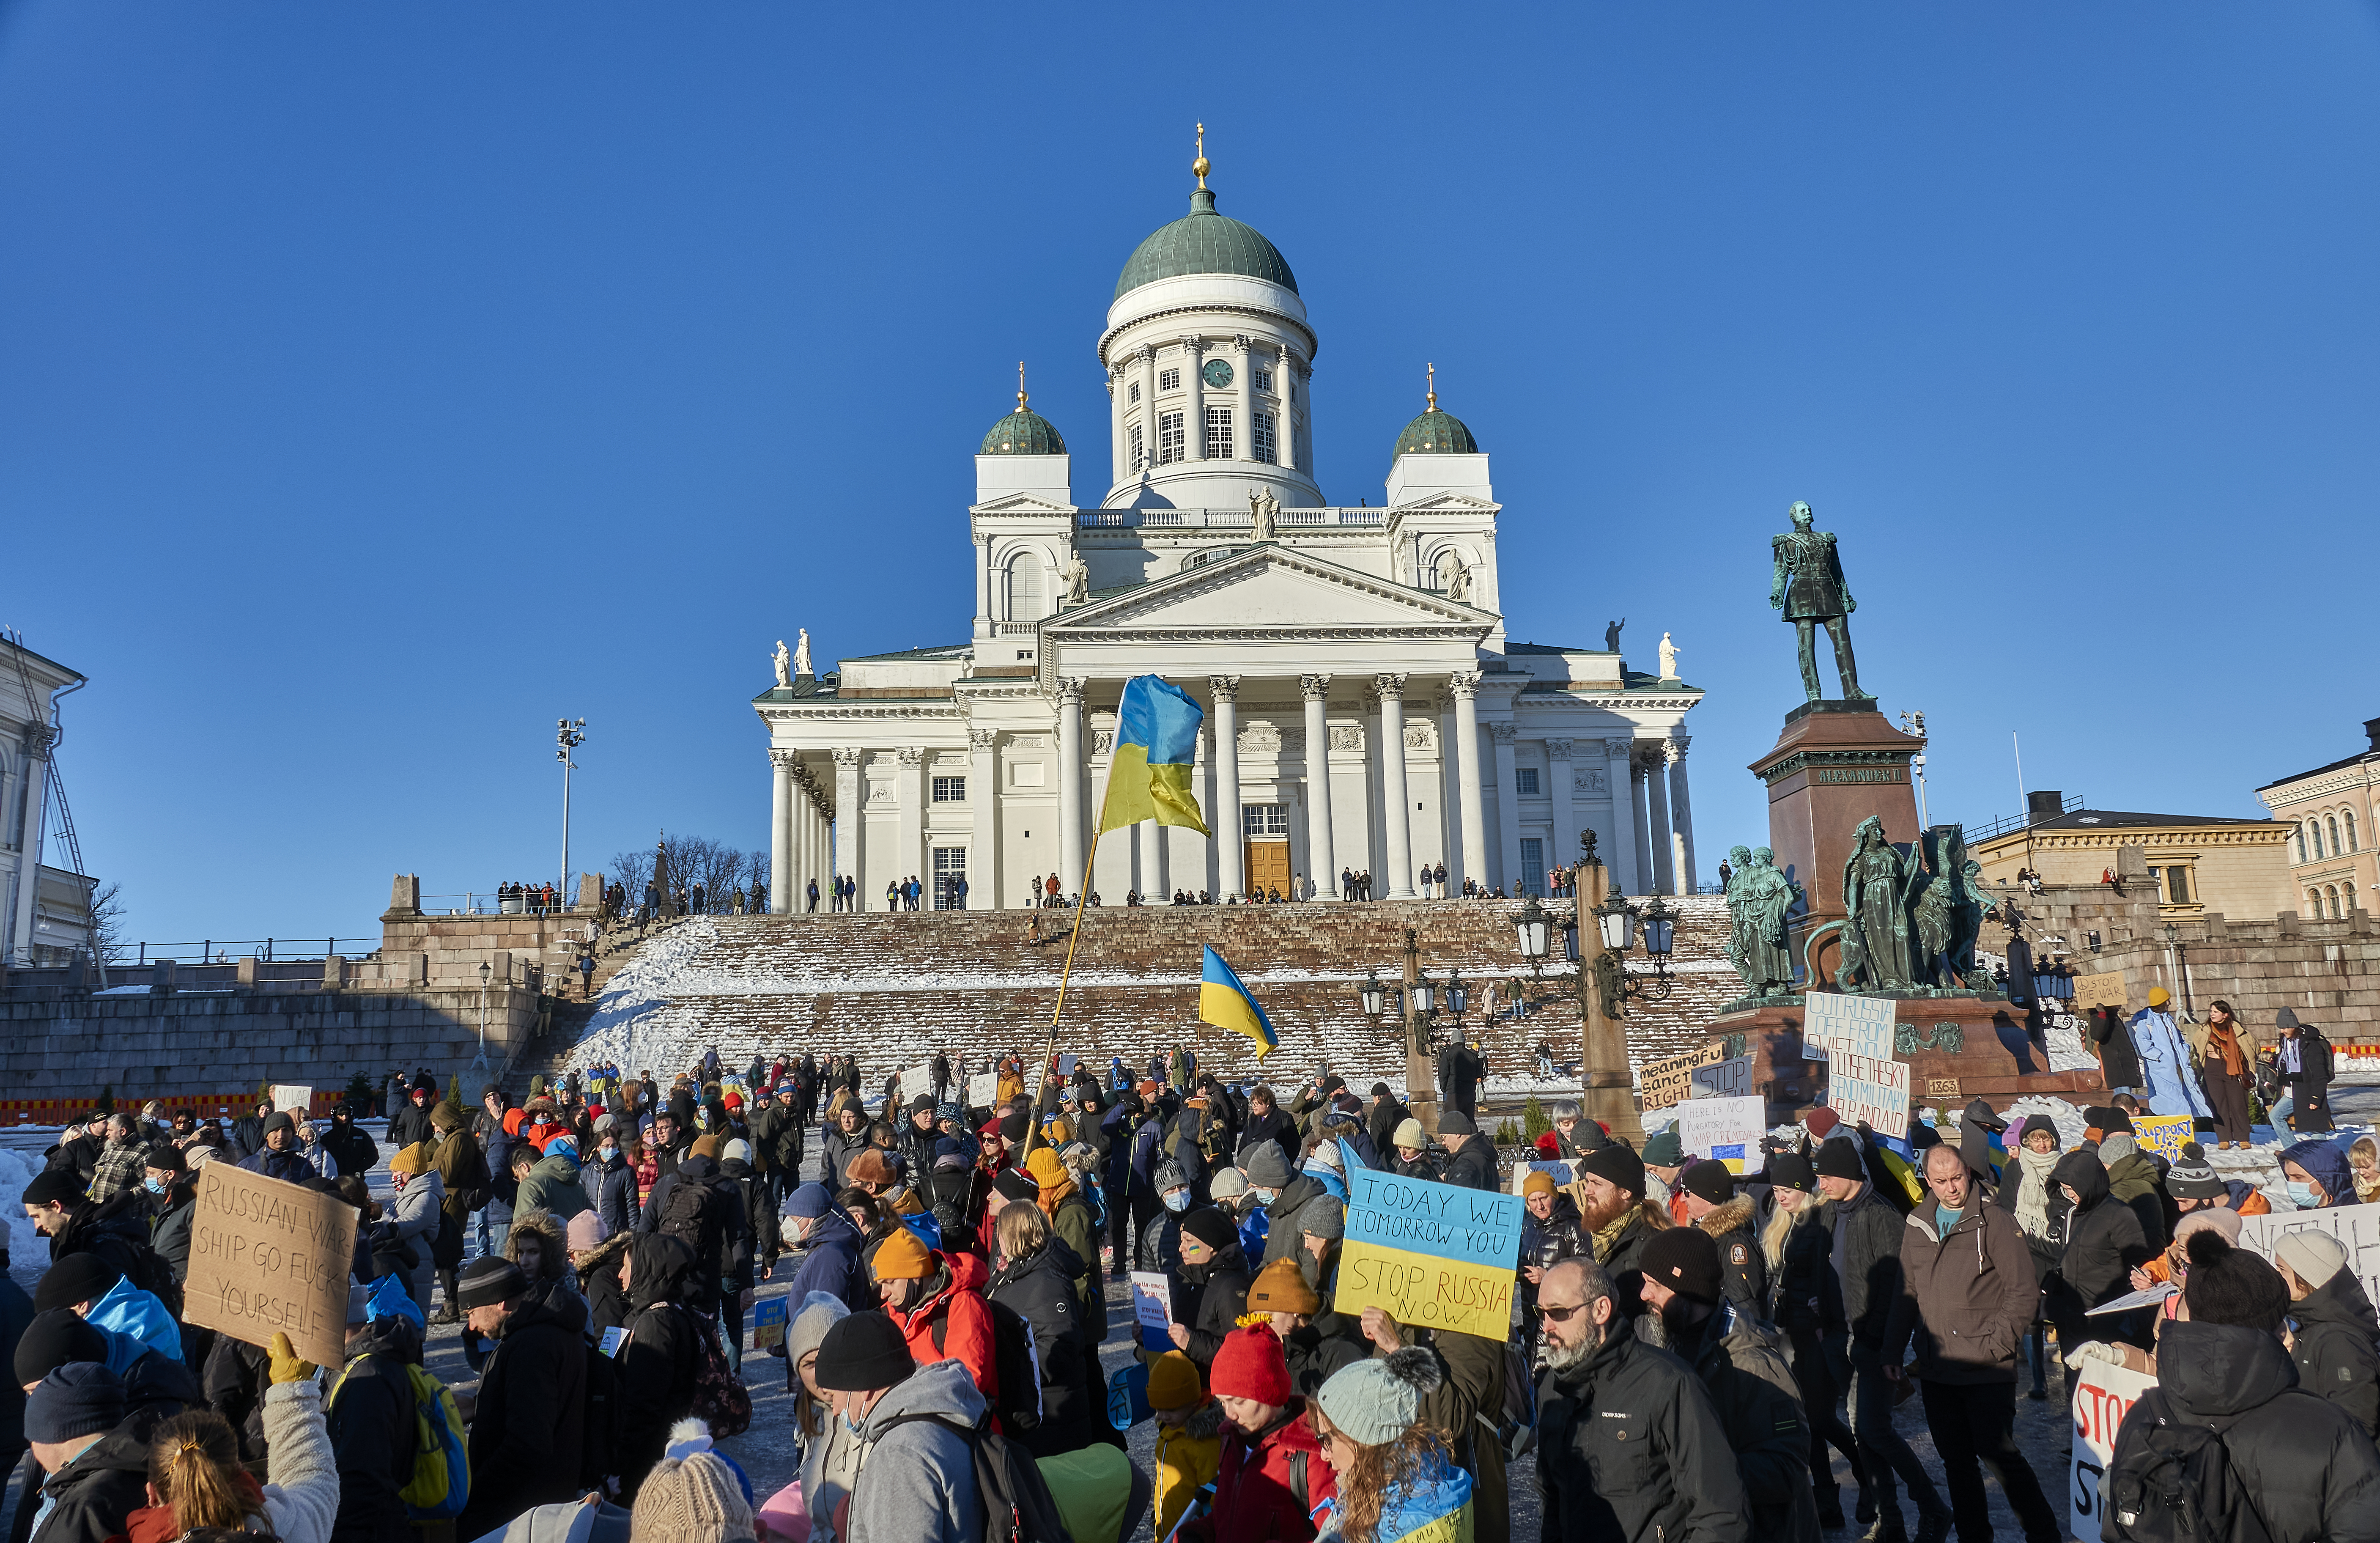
{"points": [[286, 1366]]}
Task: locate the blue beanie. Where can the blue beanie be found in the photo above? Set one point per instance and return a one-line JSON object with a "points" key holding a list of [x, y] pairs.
{"points": [[563, 1145], [81, 1398], [809, 1202]]}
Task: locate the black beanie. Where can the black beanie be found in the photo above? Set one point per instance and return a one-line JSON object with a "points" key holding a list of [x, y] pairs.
{"points": [[1791, 1171], [1840, 1160], [1685, 1259], [2231, 1286], [1211, 1227], [1013, 1128], [862, 1352], [489, 1280], [54, 1187], [53, 1340], [76, 1278], [1708, 1180], [1617, 1165], [81, 1398]]}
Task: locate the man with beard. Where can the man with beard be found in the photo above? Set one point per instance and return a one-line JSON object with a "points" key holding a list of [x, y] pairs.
{"points": [[1630, 1449], [1618, 1219]]}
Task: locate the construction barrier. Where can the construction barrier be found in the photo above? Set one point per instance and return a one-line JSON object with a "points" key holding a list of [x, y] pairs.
{"points": [[201, 1106]]}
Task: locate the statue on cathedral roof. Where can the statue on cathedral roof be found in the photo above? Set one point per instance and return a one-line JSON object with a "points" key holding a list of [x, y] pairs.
{"points": [[784, 664]]}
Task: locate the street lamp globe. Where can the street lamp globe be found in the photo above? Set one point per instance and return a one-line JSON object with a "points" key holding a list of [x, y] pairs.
{"points": [[487, 969], [1535, 929], [1569, 937], [1660, 928], [1618, 919], [1458, 995], [1424, 996], [1373, 997]]}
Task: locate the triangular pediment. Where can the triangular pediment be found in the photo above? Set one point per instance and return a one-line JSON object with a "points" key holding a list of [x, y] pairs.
{"points": [[1447, 502], [1271, 589], [1021, 503]]}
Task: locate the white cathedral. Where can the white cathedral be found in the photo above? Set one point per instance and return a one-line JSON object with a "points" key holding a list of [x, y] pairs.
{"points": [[1367, 711]]}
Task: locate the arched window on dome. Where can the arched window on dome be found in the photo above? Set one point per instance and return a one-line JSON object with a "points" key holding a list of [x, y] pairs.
{"points": [[1023, 587]]}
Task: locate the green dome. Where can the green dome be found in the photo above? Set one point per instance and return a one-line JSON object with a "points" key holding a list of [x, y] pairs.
{"points": [[1436, 434], [1023, 432], [1205, 242]]}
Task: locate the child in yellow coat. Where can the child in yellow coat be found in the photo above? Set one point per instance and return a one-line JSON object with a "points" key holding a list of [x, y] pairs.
{"points": [[1189, 1435]]}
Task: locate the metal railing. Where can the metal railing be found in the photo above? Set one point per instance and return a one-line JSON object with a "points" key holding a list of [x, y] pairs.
{"points": [[1238, 520], [220, 951], [485, 902], [2067, 805]]}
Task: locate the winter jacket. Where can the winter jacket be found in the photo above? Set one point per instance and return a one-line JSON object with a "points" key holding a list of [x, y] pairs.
{"points": [[290, 1166], [830, 1263], [553, 1186], [2132, 1178], [2103, 1239], [2334, 1348], [1044, 1289], [1276, 1127], [411, 1123], [950, 1322], [777, 1139], [658, 1360], [464, 1171], [1759, 1406], [527, 1430], [611, 1187], [1561, 1235], [759, 1244], [1281, 1242], [2314, 1473], [1075, 1227], [1428, 1163], [1473, 1164], [2119, 1062], [835, 1153], [916, 1479], [169, 1230], [1806, 1297], [1319, 1349], [1735, 1228], [115, 1229], [16, 1313], [351, 1150], [1968, 1297], [1267, 1484], [1380, 1122], [1629, 1450], [598, 1282], [725, 1223], [1187, 1457], [92, 1498], [417, 1211], [1465, 1407], [371, 1431], [1866, 1257], [1222, 1295]]}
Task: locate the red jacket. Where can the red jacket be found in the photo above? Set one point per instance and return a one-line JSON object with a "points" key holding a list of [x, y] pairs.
{"points": [[954, 1324], [1257, 1489]]}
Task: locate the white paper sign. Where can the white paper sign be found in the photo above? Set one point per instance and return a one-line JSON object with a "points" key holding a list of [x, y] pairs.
{"points": [[2103, 1391], [1152, 1308], [915, 1080], [292, 1099], [1722, 1079], [2358, 1227], [1864, 1088], [1832, 1022], [982, 1089], [1565, 1173], [1727, 1130]]}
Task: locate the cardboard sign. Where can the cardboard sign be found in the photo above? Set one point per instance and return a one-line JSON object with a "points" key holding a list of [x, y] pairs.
{"points": [[769, 1322], [982, 1090], [2103, 1391], [915, 1080], [1434, 1255], [2098, 990], [1152, 1308], [2162, 1134], [1725, 1130], [1831, 1021], [269, 1256], [1565, 1173], [1865, 1088], [2356, 1226], [1664, 1082], [292, 1099], [1723, 1079]]}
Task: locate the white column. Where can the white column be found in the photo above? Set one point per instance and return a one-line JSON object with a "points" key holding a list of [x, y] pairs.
{"points": [[1148, 358], [1682, 815], [1657, 792], [1244, 416], [983, 597], [781, 828], [1116, 394], [911, 791], [804, 851], [1194, 439], [1473, 805], [1641, 816], [848, 817], [1396, 804], [1319, 851], [1622, 858], [1558, 772], [1230, 841], [1070, 782], [983, 797], [1507, 805]]}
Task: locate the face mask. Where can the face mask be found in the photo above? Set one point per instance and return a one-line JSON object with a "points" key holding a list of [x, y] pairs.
{"points": [[154, 1187], [2303, 1195], [1264, 1196], [1178, 1200], [607, 1153]]}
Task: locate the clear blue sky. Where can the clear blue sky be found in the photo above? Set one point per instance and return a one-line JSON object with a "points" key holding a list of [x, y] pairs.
{"points": [[379, 383]]}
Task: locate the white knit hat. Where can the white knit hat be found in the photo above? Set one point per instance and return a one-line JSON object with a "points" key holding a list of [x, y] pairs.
{"points": [[691, 1496]]}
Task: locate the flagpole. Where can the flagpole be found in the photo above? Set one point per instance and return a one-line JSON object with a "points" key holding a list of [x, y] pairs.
{"points": [[1082, 898]]}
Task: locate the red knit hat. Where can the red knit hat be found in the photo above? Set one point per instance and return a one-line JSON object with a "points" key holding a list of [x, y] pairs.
{"points": [[1250, 1366]]}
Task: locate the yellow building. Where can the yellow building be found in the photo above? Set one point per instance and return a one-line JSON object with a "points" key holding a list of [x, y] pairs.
{"points": [[2329, 812], [2199, 863]]}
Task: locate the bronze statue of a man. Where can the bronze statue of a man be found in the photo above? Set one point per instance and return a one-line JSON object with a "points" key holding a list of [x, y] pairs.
{"points": [[1808, 586]]}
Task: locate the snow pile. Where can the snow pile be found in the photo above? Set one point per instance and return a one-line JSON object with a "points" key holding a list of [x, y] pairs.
{"points": [[29, 1252], [631, 1024]]}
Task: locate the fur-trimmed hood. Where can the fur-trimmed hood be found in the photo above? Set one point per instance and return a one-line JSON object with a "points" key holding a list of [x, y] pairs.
{"points": [[555, 1250], [1735, 1216]]}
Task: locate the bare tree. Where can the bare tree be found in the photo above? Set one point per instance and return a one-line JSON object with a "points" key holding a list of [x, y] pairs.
{"points": [[632, 870], [107, 925], [756, 874]]}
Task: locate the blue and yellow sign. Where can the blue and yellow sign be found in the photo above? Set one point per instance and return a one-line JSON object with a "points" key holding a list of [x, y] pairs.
{"points": [[1435, 1254]]}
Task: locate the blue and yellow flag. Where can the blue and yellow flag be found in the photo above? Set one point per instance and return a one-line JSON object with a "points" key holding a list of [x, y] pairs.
{"points": [[1226, 1004], [1157, 740]]}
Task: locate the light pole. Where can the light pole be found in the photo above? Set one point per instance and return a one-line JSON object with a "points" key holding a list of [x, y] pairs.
{"points": [[480, 1063], [1416, 999], [1602, 983], [568, 734]]}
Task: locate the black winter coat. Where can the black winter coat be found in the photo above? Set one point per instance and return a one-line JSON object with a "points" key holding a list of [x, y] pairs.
{"points": [[2104, 1240], [1045, 1291], [1221, 1284], [169, 1229], [115, 1229], [16, 1312], [759, 1247], [1559, 1236], [528, 1429], [2119, 1061], [2314, 1475], [1473, 1164], [410, 1124], [1381, 1123], [352, 1151], [1631, 1449], [1760, 1408], [1806, 1297], [657, 1364], [2334, 1348], [1280, 1235], [94, 1494], [612, 1187], [1276, 1127], [371, 1430], [1870, 1271]]}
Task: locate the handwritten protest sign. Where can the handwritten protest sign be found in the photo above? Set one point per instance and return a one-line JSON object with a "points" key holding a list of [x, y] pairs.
{"points": [[2102, 1391], [982, 1090], [2358, 1227], [1725, 1130], [1564, 1173], [917, 1079], [1831, 1021], [1669, 1080], [270, 1256], [2098, 990], [2162, 1134], [294, 1098], [1723, 1079], [1435, 1254], [1866, 1087], [769, 1322], [1152, 1308]]}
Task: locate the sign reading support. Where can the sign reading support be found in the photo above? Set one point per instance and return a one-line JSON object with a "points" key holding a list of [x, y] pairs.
{"points": [[2103, 1391], [268, 1257], [2162, 1134], [1434, 1255], [1725, 1130]]}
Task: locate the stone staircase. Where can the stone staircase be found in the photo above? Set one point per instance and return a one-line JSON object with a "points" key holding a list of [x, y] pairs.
{"points": [[894, 987]]}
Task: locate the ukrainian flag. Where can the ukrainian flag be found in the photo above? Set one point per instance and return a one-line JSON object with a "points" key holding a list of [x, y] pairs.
{"points": [[1226, 1004], [1157, 740]]}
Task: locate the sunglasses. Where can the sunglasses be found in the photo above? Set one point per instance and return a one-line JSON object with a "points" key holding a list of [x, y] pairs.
{"points": [[1553, 1314]]}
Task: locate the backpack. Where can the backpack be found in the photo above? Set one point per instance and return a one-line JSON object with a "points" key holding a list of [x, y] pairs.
{"points": [[1014, 1365], [441, 1483], [1017, 1507], [2182, 1487], [693, 1215]]}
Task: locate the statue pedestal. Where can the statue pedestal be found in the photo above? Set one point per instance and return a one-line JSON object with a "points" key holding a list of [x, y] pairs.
{"points": [[1837, 763], [1994, 1060]]}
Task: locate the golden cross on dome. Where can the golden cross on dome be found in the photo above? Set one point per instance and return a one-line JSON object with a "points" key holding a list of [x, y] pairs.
{"points": [[1200, 166], [1433, 388], [1020, 385]]}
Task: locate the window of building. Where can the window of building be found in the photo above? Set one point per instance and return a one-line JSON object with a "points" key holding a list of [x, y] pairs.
{"points": [[1024, 587], [2177, 885], [1524, 782], [2332, 825], [1261, 428], [1169, 437], [2314, 904], [1264, 819], [1218, 434], [1263, 378], [950, 877], [2330, 891], [1133, 394], [1132, 449], [1169, 380], [950, 790], [1533, 866], [2314, 838], [2349, 818]]}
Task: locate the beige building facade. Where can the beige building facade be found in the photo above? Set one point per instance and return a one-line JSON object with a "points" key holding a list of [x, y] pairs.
{"points": [[2329, 811], [2198, 863]]}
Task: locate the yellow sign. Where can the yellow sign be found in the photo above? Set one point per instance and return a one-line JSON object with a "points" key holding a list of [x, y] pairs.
{"points": [[2162, 1134], [1432, 1293], [2098, 990]]}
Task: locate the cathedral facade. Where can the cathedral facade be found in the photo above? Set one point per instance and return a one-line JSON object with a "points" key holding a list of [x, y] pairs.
{"points": [[1366, 710]]}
